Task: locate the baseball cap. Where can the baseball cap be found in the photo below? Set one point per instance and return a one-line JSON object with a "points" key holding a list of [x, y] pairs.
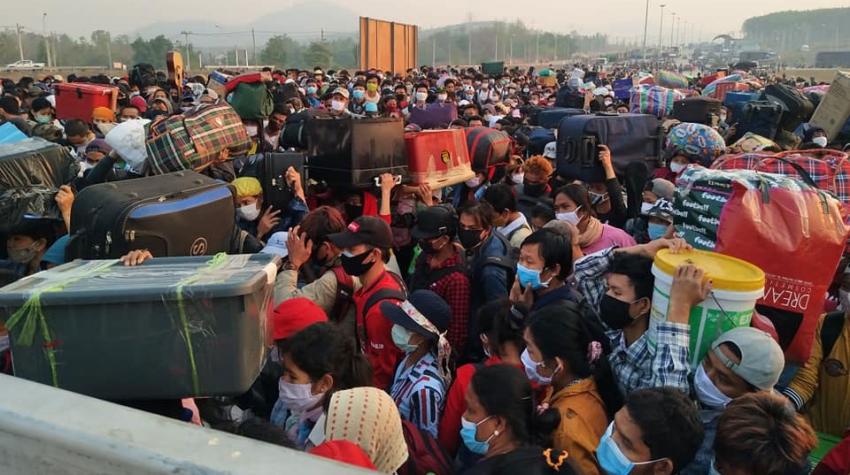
{"points": [[662, 188], [341, 91], [762, 359], [433, 222], [364, 230], [420, 304], [662, 209], [294, 315], [550, 151], [277, 244]]}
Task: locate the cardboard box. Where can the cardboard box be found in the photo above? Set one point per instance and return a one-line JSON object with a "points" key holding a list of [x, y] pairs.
{"points": [[834, 109]]}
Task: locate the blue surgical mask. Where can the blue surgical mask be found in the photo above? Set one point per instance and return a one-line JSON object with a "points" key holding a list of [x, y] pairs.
{"points": [[656, 231], [370, 107], [611, 459], [358, 94], [530, 277], [401, 339], [311, 89], [468, 432]]}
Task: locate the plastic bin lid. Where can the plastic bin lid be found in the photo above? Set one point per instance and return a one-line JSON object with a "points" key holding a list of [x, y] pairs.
{"points": [[159, 278], [726, 272]]}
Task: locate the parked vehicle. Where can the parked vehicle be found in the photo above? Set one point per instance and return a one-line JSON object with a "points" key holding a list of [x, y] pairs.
{"points": [[24, 64]]}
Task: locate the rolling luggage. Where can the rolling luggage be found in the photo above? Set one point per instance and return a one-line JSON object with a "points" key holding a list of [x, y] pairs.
{"points": [[294, 133], [732, 99], [569, 98], [438, 157], [550, 118], [178, 214], [631, 138], [276, 191], [194, 140], [434, 116], [698, 110], [350, 152], [31, 172], [78, 100], [167, 329], [796, 108], [487, 147], [537, 140], [759, 117]]}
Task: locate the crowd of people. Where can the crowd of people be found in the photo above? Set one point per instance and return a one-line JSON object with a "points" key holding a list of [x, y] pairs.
{"points": [[499, 326]]}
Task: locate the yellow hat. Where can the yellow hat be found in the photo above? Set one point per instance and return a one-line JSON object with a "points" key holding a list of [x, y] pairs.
{"points": [[103, 113], [247, 186]]}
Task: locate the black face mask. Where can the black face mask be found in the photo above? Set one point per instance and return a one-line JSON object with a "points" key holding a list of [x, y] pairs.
{"points": [[469, 238], [354, 265], [533, 189], [615, 313], [353, 212]]}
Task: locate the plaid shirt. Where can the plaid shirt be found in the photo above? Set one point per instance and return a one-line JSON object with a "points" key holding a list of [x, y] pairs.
{"points": [[454, 289], [658, 358]]}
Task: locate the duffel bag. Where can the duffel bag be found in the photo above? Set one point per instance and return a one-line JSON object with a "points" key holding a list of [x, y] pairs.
{"points": [[194, 140], [654, 100], [779, 223], [251, 101], [671, 80], [698, 110], [487, 147]]}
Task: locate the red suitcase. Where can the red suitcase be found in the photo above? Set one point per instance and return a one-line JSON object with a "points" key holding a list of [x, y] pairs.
{"points": [[78, 100], [439, 158]]}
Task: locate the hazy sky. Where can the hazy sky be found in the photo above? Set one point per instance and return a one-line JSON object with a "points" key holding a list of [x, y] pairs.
{"points": [[618, 18]]}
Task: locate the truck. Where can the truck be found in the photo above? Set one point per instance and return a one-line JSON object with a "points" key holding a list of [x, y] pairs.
{"points": [[24, 65]]}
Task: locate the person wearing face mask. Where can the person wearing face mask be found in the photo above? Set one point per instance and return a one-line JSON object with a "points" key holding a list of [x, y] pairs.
{"points": [[43, 112], [655, 190], [509, 222], [814, 138], [423, 375], [564, 353], [103, 120], [607, 197], [95, 152], [502, 426], [440, 267], [572, 204], [312, 94], [690, 144], [545, 261], [420, 97], [657, 432], [373, 93], [339, 103], [317, 362], [442, 96], [78, 135], [358, 98], [535, 189], [659, 220], [366, 244], [25, 246]]}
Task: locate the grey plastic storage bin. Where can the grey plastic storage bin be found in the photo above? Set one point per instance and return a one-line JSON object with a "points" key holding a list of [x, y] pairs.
{"points": [[171, 328]]}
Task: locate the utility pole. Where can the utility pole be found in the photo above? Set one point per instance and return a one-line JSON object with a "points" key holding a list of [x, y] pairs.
{"points": [[496, 53], [555, 53], [434, 51], [645, 26], [246, 58], [53, 53], [672, 30], [511, 56], [661, 32], [186, 45], [19, 29], [469, 38], [46, 41], [537, 54], [109, 49], [254, 43]]}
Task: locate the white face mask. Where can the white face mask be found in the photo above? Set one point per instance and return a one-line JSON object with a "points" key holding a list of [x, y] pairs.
{"points": [[421, 96], [707, 392], [645, 207], [820, 141], [474, 182], [248, 212], [337, 105], [298, 397], [677, 167], [442, 97], [570, 217], [517, 178], [531, 369]]}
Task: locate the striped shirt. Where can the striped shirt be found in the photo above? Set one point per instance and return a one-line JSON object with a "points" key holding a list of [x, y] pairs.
{"points": [[419, 392]]}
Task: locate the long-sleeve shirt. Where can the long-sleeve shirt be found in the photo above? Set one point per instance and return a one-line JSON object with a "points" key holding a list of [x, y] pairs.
{"points": [[617, 215], [583, 421], [454, 288], [449, 433], [420, 392], [822, 386], [378, 346]]}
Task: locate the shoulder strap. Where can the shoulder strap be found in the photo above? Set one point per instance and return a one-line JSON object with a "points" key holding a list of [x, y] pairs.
{"points": [[344, 293], [833, 324], [374, 299], [436, 275]]}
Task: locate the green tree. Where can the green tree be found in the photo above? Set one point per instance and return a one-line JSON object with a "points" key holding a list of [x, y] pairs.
{"points": [[152, 51], [280, 51], [318, 54]]}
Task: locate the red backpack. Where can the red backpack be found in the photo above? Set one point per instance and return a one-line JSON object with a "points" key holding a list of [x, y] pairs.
{"points": [[425, 456]]}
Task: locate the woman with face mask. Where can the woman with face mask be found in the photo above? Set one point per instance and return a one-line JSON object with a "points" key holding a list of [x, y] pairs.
{"points": [[565, 353], [317, 361], [502, 425], [423, 374], [690, 144], [572, 204]]}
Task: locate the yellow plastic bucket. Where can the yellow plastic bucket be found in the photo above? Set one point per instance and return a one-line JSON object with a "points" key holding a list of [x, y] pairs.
{"points": [[737, 285]]}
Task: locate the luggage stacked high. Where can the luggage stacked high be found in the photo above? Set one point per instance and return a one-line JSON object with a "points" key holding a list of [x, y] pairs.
{"points": [[78, 100], [439, 158], [167, 329]]}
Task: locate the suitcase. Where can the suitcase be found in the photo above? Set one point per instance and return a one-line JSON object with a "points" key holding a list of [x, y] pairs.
{"points": [[570, 98], [537, 140], [276, 191], [170, 328], [796, 108], [434, 116], [734, 98], [631, 137], [178, 214], [759, 117], [353, 152], [487, 147], [194, 140], [698, 110], [31, 172], [551, 117], [294, 133], [78, 100], [438, 157]]}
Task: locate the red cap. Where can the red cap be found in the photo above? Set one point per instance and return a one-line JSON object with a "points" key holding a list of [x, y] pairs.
{"points": [[344, 451], [294, 315], [139, 103]]}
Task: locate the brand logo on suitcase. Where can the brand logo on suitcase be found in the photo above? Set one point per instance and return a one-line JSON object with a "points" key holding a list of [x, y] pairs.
{"points": [[199, 247], [445, 156]]}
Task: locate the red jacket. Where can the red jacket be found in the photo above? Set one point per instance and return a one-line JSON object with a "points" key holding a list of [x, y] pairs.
{"points": [[837, 460], [378, 345]]}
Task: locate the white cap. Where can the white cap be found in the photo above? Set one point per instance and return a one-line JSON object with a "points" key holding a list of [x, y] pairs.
{"points": [[551, 150], [277, 244]]}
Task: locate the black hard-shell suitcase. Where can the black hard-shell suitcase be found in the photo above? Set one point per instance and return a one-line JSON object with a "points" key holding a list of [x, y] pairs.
{"points": [[631, 137], [175, 214], [276, 191], [551, 117], [698, 110], [569, 98], [796, 107], [293, 134], [759, 117], [353, 152]]}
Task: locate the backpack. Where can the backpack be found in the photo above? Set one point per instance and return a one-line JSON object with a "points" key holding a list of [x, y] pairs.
{"points": [[833, 324], [344, 294], [425, 456], [507, 262], [376, 298], [143, 75], [423, 277]]}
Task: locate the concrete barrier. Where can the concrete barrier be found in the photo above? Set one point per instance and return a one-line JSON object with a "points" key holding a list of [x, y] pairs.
{"points": [[44, 430]]}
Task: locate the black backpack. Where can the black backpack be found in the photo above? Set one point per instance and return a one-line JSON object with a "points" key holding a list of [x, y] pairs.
{"points": [[507, 262], [143, 75]]}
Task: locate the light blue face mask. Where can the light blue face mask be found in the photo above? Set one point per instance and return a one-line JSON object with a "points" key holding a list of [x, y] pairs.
{"points": [[401, 339], [612, 460], [468, 431], [371, 107], [656, 231], [530, 277], [358, 94]]}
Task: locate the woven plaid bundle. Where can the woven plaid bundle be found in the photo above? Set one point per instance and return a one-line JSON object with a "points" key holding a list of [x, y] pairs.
{"points": [[195, 139]]}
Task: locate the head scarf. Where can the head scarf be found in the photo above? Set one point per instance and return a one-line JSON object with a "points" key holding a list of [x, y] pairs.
{"points": [[444, 349], [369, 418], [697, 142]]}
